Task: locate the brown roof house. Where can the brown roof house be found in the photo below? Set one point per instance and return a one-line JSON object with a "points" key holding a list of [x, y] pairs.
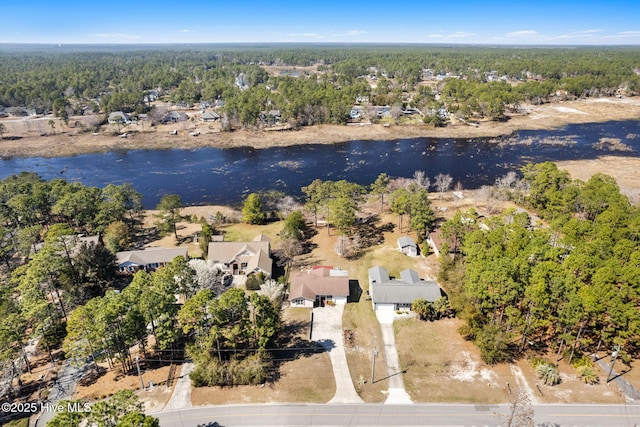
{"points": [[148, 259], [397, 294], [242, 259], [315, 287]]}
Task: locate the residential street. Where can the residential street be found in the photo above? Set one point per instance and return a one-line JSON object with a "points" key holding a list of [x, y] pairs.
{"points": [[396, 415]]}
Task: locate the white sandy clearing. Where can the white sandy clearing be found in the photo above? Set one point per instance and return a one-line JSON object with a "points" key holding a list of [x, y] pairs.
{"points": [[568, 110]]}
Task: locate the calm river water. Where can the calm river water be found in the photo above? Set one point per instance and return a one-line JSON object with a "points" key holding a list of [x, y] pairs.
{"points": [[226, 176]]}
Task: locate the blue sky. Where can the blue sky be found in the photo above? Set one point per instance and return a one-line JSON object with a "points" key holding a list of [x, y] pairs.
{"points": [[560, 22]]}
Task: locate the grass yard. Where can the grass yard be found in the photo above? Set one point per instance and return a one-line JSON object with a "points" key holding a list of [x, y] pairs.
{"points": [[442, 367]]}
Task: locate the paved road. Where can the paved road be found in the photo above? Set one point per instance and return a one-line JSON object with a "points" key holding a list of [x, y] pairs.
{"points": [[327, 331], [395, 415], [397, 392]]}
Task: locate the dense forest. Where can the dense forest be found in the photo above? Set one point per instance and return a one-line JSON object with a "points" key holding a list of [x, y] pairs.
{"points": [[565, 283], [474, 82]]}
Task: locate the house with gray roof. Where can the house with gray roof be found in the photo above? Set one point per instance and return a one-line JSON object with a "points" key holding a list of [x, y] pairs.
{"points": [[389, 294], [408, 246], [210, 116], [242, 259], [118, 117], [148, 259], [318, 286]]}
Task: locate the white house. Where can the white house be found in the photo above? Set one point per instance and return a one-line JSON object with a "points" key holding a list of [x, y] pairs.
{"points": [[148, 259], [408, 246], [397, 294]]}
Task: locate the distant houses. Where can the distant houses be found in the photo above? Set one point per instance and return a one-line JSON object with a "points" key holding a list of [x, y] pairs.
{"points": [[318, 286], [148, 259], [118, 117], [210, 116], [389, 294]]}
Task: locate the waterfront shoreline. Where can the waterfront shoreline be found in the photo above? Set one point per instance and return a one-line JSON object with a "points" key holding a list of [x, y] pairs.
{"points": [[71, 142]]}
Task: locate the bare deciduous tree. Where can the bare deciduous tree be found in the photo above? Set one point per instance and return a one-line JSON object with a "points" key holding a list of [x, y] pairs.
{"points": [[443, 182], [288, 204], [520, 412], [421, 179], [486, 192]]}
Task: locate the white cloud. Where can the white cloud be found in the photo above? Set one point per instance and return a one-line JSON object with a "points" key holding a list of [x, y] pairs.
{"points": [[629, 33], [351, 33], [186, 31], [456, 35], [523, 33], [117, 36], [588, 31], [308, 35]]}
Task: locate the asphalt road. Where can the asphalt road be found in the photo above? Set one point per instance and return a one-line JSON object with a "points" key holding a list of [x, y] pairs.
{"points": [[394, 415]]}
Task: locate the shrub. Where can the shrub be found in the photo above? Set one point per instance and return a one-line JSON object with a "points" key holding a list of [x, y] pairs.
{"points": [[548, 373], [493, 343], [585, 370], [587, 375]]}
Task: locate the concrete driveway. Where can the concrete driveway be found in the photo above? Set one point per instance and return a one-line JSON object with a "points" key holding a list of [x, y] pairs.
{"points": [[181, 397], [327, 331], [397, 392]]}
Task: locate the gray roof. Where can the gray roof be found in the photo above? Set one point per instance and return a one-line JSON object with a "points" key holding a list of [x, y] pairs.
{"points": [[405, 241], [210, 115], [150, 256], [118, 116], [403, 291]]}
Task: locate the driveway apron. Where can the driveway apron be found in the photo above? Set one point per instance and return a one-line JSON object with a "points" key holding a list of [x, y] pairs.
{"points": [[327, 331], [397, 392]]}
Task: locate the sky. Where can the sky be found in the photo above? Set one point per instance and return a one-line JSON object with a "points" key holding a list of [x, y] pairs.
{"points": [[515, 22]]}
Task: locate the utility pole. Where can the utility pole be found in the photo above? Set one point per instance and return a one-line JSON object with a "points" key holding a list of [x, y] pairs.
{"points": [[614, 356], [139, 373], [373, 366]]}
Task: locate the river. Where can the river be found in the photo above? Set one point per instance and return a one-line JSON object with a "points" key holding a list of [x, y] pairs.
{"points": [[226, 176]]}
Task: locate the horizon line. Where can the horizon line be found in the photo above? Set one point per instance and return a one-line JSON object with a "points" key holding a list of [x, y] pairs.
{"points": [[317, 43]]}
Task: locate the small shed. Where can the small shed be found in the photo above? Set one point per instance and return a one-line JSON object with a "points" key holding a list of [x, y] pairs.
{"points": [[408, 246]]}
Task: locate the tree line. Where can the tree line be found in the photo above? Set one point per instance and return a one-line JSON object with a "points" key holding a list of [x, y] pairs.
{"points": [[571, 286], [74, 82]]}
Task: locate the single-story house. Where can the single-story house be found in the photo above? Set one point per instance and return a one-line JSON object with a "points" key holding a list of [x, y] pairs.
{"points": [[319, 285], [408, 246], [210, 116], [175, 117], [242, 259], [118, 117], [74, 243], [148, 259], [397, 294]]}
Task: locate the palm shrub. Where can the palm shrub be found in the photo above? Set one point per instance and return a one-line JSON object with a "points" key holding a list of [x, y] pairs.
{"points": [[586, 372], [548, 373]]}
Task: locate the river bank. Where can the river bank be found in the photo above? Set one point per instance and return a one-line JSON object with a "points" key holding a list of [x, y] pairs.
{"points": [[24, 139]]}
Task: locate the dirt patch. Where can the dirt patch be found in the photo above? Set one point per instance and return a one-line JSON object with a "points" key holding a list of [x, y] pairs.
{"points": [[114, 380], [64, 141], [625, 170]]}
